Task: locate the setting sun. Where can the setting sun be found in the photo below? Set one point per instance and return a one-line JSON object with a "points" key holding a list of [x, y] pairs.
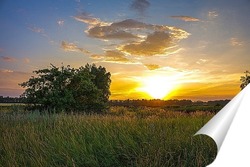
{"points": [[157, 87]]}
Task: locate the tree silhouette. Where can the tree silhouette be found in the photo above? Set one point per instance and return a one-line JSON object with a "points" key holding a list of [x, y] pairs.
{"points": [[85, 89], [245, 80]]}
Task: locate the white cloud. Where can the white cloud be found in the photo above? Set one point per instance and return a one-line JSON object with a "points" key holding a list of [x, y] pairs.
{"points": [[8, 58], [60, 22], [201, 61], [36, 29], [6, 71], [212, 14], [236, 42]]}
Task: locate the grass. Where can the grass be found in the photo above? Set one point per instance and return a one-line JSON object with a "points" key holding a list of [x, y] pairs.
{"points": [[122, 137]]}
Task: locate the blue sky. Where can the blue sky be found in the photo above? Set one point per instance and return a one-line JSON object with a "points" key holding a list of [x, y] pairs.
{"points": [[200, 47]]}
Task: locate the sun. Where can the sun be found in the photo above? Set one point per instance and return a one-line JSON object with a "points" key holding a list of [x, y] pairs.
{"points": [[157, 87]]}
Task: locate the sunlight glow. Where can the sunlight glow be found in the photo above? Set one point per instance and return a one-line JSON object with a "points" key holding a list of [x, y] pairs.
{"points": [[157, 87]]}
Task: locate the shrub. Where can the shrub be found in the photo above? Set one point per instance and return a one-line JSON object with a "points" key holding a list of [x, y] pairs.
{"points": [[67, 89]]}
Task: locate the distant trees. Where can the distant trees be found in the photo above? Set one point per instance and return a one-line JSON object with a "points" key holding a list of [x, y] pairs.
{"points": [[245, 80], [174, 103], [68, 89], [10, 99]]}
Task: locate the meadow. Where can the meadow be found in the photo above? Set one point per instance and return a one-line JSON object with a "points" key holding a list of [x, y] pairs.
{"points": [[140, 137]]}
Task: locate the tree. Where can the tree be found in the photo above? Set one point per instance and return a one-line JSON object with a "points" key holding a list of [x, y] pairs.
{"points": [[245, 80], [67, 89]]}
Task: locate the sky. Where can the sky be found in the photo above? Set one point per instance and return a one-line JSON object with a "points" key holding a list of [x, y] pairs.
{"points": [[178, 49]]}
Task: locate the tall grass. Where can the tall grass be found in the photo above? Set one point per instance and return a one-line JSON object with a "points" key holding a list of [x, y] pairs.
{"points": [[134, 138]]}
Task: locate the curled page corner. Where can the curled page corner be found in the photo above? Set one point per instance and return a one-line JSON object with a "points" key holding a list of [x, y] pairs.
{"points": [[229, 128]]}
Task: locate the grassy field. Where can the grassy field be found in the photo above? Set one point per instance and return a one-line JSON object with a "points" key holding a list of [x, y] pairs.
{"points": [[123, 137]]}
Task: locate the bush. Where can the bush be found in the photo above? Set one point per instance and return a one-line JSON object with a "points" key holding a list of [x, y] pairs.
{"points": [[67, 89]]}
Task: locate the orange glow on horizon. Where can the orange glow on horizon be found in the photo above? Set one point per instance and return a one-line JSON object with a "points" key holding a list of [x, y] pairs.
{"points": [[157, 85]]}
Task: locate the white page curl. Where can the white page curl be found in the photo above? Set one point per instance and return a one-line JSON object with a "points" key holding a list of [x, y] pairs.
{"points": [[230, 129]]}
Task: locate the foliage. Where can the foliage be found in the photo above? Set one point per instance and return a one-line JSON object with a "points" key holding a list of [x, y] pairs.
{"points": [[69, 89], [31, 139], [245, 80]]}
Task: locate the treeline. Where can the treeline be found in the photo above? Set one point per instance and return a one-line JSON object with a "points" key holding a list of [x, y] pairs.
{"points": [[140, 102], [10, 99], [173, 104]]}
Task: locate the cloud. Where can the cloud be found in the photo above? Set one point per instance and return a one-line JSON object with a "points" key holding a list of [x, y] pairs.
{"points": [[126, 29], [236, 42], [112, 56], [36, 29], [129, 23], [155, 43], [122, 30], [130, 38], [11, 59], [60, 22], [96, 57], [104, 30], [115, 56], [89, 19], [140, 6], [8, 58], [6, 71], [134, 31], [177, 33], [26, 60], [201, 61], [152, 66], [186, 18], [212, 14], [71, 47], [40, 31], [108, 32]]}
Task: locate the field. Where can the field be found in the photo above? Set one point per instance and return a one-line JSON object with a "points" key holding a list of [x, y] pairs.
{"points": [[122, 137]]}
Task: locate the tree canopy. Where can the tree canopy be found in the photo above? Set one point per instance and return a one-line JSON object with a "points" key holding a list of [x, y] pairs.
{"points": [[245, 80], [85, 89]]}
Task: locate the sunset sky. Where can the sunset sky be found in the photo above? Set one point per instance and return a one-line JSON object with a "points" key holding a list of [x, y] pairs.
{"points": [[179, 49]]}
